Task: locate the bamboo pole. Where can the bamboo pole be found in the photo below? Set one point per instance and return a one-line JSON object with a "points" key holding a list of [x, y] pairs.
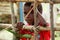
{"points": [[17, 3], [35, 20], [52, 20], [13, 17], [46, 1], [48, 28]]}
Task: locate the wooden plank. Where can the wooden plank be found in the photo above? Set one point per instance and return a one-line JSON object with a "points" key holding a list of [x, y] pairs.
{"points": [[52, 20], [13, 16], [21, 0], [41, 28], [28, 0], [35, 20], [31, 0], [56, 1]]}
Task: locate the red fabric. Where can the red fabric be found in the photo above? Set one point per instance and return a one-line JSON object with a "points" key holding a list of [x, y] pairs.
{"points": [[44, 35], [23, 39], [25, 31]]}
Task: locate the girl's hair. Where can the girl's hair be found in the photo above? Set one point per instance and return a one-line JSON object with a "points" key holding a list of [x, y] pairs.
{"points": [[39, 7], [28, 4]]}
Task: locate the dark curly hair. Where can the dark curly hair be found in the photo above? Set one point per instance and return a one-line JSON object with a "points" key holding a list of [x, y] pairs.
{"points": [[39, 7]]}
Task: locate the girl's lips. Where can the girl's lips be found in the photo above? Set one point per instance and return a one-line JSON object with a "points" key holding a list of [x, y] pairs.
{"points": [[29, 21]]}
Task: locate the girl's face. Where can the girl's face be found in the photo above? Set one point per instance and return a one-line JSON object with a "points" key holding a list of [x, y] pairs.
{"points": [[30, 18]]}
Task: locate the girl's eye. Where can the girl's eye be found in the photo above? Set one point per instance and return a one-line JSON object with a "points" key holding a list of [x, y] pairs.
{"points": [[25, 13]]}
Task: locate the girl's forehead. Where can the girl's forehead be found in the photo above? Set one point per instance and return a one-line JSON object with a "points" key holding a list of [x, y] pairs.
{"points": [[26, 9]]}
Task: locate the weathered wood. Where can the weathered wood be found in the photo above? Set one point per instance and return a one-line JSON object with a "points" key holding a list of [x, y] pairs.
{"points": [[56, 1], [29, 27], [13, 16], [49, 28], [41, 28], [35, 20], [20, 0], [52, 20]]}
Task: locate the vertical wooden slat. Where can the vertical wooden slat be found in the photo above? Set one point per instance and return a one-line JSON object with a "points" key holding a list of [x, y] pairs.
{"points": [[13, 16], [18, 18], [52, 20], [35, 19]]}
